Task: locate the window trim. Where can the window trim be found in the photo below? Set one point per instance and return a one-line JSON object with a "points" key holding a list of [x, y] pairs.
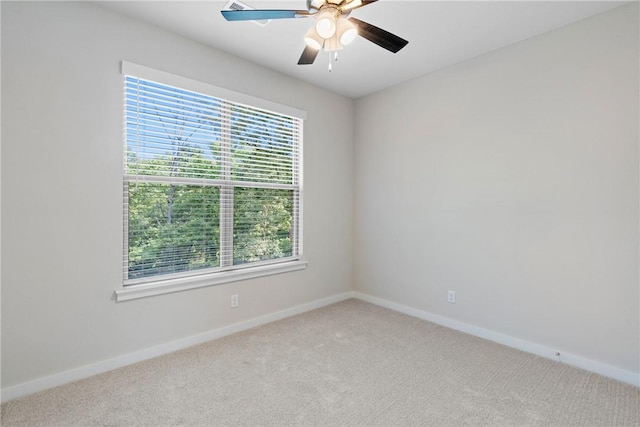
{"points": [[184, 283], [129, 289]]}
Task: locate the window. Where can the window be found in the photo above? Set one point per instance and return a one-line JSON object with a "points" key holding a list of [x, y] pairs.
{"points": [[212, 186]]}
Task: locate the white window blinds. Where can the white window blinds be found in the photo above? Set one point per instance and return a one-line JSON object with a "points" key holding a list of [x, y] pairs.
{"points": [[209, 184]]}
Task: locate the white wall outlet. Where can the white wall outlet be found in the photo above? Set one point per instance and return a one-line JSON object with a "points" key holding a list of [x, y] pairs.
{"points": [[234, 301], [451, 297]]}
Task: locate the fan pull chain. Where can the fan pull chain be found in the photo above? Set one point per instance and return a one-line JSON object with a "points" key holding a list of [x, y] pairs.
{"points": [[332, 59]]}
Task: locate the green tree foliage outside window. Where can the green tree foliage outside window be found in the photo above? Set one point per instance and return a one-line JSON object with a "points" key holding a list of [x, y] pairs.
{"points": [[261, 224], [172, 228]]}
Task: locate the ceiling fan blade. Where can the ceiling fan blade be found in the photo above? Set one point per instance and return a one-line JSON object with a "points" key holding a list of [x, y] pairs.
{"points": [[259, 15], [309, 55], [376, 35], [355, 4]]}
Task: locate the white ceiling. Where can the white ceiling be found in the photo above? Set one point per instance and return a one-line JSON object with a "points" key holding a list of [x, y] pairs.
{"points": [[440, 33]]}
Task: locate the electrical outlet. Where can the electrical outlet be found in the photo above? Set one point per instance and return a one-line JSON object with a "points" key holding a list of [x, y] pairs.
{"points": [[451, 297], [234, 301]]}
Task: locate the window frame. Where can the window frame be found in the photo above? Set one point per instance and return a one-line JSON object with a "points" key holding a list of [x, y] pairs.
{"points": [[226, 272]]}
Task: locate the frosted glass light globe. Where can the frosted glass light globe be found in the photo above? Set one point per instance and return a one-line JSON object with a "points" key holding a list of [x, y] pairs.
{"points": [[326, 25], [346, 31], [313, 39]]}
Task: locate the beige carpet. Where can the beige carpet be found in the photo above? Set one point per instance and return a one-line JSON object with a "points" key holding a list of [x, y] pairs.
{"points": [[351, 363]]}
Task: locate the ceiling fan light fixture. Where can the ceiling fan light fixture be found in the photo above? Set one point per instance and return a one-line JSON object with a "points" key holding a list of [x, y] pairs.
{"points": [[313, 39], [326, 24], [347, 32], [332, 44]]}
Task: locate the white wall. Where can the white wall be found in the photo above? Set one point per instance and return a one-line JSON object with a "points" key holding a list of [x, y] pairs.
{"points": [[62, 193], [512, 179]]}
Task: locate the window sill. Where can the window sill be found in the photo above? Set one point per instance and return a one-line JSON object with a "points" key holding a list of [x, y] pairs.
{"points": [[184, 283]]}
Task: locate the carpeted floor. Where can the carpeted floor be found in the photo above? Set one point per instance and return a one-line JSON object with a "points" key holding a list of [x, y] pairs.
{"points": [[348, 364]]}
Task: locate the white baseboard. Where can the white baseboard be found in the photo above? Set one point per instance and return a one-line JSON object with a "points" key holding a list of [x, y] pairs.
{"points": [[76, 374], [628, 377]]}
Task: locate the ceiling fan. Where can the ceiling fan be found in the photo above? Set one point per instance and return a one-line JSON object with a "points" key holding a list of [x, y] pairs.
{"points": [[333, 28]]}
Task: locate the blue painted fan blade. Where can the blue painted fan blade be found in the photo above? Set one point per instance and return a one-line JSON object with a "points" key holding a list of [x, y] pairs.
{"points": [[259, 15]]}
